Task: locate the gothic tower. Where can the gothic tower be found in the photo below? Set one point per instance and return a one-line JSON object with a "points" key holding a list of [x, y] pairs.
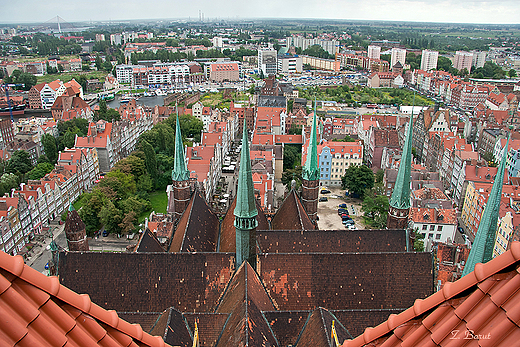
{"points": [[76, 232], [245, 211], [311, 175], [180, 176], [400, 200], [482, 248]]}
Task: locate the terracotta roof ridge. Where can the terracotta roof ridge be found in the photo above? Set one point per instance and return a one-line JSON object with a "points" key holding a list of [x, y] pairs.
{"points": [[51, 285], [450, 290]]}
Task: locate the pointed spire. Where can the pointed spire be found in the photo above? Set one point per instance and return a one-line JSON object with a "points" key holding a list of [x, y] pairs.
{"points": [[196, 336], [401, 194], [71, 207], [180, 172], [245, 207], [482, 248], [310, 170], [245, 210]]}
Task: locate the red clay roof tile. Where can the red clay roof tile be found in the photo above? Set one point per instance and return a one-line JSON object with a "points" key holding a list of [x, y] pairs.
{"points": [[484, 306], [35, 310]]}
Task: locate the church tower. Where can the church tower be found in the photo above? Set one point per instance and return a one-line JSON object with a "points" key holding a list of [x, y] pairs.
{"points": [[311, 175], [180, 176], [482, 248], [400, 200], [75, 232], [245, 211]]}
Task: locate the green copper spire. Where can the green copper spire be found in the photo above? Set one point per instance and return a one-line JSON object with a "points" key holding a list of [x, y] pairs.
{"points": [[482, 248], [311, 171], [401, 194], [179, 173], [245, 211], [71, 208], [245, 207]]}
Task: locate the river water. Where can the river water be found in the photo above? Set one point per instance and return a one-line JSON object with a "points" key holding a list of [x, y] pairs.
{"points": [[150, 101]]}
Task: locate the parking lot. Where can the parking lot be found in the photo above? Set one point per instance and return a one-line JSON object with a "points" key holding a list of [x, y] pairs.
{"points": [[328, 210]]}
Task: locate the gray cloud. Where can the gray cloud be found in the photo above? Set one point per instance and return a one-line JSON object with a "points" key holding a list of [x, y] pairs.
{"points": [[464, 11]]}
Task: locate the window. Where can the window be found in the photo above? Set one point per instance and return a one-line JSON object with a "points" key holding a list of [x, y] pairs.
{"points": [[424, 227], [437, 236], [432, 227], [439, 228]]}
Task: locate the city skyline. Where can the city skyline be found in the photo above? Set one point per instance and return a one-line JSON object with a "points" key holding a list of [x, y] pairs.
{"points": [[450, 11]]}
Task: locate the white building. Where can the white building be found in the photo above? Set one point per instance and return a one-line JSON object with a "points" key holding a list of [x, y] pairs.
{"points": [[217, 42], [124, 73], [479, 59], [398, 55], [267, 61], [374, 52], [463, 60], [115, 39], [429, 60], [290, 64]]}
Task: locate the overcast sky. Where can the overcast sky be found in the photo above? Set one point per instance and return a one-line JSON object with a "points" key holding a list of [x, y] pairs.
{"points": [[458, 11]]}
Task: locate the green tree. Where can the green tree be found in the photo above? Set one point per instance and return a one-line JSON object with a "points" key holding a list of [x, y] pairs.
{"points": [[290, 174], [8, 181], [291, 156], [150, 159], [49, 146], [40, 171], [110, 216], [295, 129], [418, 243], [375, 210], [129, 223], [99, 62], [444, 63], [511, 73], [90, 210], [357, 179], [20, 162], [490, 159]]}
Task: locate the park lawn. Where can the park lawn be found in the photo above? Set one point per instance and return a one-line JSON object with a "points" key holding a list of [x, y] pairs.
{"points": [[159, 201], [67, 76]]}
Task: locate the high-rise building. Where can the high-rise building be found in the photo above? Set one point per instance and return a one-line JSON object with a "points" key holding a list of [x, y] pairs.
{"points": [[398, 55], [374, 52], [267, 62], [479, 59], [429, 60], [463, 60]]}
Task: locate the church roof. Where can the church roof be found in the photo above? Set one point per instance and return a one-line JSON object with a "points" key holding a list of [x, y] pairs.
{"points": [[36, 310], [305, 281], [210, 326], [173, 328], [198, 228], [291, 215], [148, 243], [190, 282], [244, 299], [227, 242], [481, 309], [286, 325], [322, 328], [337, 241], [73, 224]]}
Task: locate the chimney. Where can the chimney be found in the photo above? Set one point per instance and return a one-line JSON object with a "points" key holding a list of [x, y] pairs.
{"points": [[476, 169]]}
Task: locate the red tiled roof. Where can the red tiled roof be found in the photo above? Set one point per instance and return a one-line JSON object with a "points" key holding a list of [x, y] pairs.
{"points": [[482, 308], [36, 310]]}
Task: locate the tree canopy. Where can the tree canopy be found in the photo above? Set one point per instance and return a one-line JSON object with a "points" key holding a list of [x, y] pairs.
{"points": [[357, 179]]}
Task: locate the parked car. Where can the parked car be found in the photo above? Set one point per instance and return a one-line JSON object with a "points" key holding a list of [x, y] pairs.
{"points": [[341, 211], [105, 233], [325, 191], [46, 266], [461, 230], [350, 227], [342, 205], [323, 198], [349, 221]]}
